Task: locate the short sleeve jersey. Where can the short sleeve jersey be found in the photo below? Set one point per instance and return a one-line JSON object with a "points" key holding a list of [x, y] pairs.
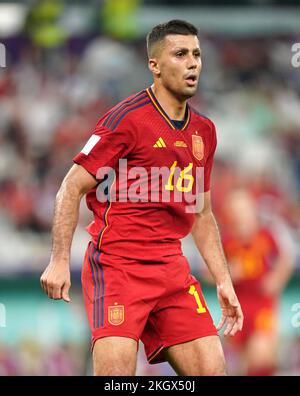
{"points": [[163, 170]]}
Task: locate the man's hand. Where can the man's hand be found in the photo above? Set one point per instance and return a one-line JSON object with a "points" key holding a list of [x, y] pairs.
{"points": [[231, 310], [56, 281]]}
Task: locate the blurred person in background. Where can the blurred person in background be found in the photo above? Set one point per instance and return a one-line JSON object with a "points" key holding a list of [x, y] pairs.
{"points": [[260, 265], [136, 282]]}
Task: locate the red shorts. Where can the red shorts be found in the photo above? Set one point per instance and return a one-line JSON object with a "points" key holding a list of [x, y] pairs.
{"points": [[159, 304]]}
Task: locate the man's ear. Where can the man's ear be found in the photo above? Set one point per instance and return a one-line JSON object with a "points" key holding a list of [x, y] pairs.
{"points": [[153, 66]]}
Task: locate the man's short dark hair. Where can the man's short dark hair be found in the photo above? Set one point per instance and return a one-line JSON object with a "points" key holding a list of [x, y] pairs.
{"points": [[176, 26]]}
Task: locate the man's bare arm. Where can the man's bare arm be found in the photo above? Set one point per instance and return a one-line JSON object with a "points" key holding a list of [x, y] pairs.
{"points": [[56, 278], [206, 235]]}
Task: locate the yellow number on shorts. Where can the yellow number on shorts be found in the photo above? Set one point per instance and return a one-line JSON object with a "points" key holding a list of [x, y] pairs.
{"points": [[194, 293]]}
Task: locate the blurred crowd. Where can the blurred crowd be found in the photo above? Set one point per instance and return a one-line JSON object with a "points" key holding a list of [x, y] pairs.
{"points": [[29, 357]]}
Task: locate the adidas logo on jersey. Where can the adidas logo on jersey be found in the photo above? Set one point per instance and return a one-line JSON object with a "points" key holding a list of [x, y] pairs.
{"points": [[160, 143]]}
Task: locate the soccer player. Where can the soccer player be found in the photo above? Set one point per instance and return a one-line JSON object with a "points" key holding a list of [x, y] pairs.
{"points": [[136, 282], [261, 266]]}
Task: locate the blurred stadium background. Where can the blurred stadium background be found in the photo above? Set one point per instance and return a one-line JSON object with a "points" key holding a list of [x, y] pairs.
{"points": [[69, 61]]}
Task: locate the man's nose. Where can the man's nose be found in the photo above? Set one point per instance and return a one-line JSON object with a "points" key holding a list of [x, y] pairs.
{"points": [[192, 62]]}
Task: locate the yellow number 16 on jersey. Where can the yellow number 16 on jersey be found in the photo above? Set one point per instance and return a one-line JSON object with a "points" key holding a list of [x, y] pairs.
{"points": [[184, 175]]}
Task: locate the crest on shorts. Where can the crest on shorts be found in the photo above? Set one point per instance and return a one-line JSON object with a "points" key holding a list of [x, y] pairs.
{"points": [[198, 147], [116, 314]]}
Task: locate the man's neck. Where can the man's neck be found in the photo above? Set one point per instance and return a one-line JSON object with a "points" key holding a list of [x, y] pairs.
{"points": [[174, 107]]}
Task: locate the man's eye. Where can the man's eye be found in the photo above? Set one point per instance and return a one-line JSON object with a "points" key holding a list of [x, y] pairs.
{"points": [[179, 54], [197, 54]]}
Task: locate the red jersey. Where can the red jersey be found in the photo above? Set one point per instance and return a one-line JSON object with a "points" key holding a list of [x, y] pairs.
{"points": [[254, 259], [139, 131]]}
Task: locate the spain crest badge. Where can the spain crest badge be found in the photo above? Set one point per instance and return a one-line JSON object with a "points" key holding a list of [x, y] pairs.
{"points": [[198, 147], [116, 314]]}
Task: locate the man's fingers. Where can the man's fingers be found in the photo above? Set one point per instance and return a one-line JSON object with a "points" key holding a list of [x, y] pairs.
{"points": [[230, 324], [42, 284], [235, 328], [240, 320], [232, 315], [50, 291], [236, 323], [55, 281], [45, 284], [56, 293], [221, 322], [65, 292], [239, 317]]}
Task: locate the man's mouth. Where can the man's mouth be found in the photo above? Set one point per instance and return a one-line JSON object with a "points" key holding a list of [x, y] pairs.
{"points": [[191, 79]]}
